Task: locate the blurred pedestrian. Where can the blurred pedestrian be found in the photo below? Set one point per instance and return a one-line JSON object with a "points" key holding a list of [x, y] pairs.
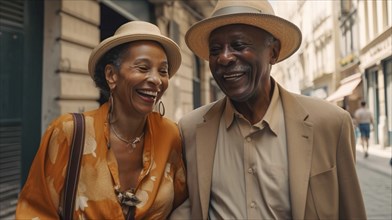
{"points": [[364, 120]]}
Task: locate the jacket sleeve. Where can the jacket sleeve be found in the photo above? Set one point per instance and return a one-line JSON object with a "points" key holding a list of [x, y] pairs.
{"points": [[181, 190], [182, 212], [180, 187], [40, 196], [351, 205]]}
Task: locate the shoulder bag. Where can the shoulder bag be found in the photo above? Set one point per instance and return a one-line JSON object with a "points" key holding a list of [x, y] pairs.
{"points": [[73, 169]]}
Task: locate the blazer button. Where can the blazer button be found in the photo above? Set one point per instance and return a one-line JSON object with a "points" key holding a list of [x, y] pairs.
{"points": [[252, 204]]}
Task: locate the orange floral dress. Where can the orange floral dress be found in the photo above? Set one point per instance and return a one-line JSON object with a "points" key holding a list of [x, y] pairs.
{"points": [[161, 184]]}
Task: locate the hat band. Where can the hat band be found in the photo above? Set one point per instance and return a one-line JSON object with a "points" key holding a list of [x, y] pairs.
{"points": [[235, 10]]}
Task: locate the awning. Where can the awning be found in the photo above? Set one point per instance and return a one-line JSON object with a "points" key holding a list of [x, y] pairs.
{"points": [[345, 89]]}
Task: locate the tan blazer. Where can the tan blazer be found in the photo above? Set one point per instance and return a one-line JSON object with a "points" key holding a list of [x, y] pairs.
{"points": [[321, 157]]}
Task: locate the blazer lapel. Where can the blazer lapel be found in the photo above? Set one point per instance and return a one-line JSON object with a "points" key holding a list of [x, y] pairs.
{"points": [[206, 135], [299, 133]]}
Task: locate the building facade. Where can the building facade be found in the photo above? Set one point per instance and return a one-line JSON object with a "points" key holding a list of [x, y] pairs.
{"points": [[375, 56], [310, 70], [345, 56]]}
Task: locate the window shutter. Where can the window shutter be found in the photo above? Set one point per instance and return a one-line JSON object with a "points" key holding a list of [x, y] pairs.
{"points": [[11, 42]]}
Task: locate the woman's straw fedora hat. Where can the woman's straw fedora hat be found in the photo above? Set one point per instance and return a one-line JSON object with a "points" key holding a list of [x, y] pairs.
{"points": [[255, 13], [134, 31]]}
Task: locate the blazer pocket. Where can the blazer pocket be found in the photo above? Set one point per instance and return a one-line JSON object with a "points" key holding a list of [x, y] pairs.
{"points": [[324, 190]]}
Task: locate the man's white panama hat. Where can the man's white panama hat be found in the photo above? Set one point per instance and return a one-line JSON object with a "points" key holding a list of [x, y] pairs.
{"points": [[134, 31], [257, 13]]}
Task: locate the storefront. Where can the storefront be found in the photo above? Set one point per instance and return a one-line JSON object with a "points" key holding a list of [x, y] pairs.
{"points": [[349, 93]]}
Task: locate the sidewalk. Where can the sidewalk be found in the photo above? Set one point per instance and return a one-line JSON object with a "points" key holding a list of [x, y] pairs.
{"points": [[378, 159]]}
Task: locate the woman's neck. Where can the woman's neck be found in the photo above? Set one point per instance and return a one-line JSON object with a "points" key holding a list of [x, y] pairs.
{"points": [[128, 125]]}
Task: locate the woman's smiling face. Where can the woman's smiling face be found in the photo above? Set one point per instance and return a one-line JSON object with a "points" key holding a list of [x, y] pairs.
{"points": [[141, 78]]}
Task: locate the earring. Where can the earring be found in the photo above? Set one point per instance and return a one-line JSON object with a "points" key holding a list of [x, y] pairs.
{"points": [[111, 107], [161, 108]]}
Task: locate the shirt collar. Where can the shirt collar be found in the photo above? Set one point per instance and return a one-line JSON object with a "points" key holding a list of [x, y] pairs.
{"points": [[271, 117], [229, 113]]}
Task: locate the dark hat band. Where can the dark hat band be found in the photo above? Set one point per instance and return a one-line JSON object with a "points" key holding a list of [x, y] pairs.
{"points": [[235, 10]]}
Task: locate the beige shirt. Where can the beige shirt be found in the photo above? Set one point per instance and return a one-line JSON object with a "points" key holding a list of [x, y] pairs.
{"points": [[250, 172]]}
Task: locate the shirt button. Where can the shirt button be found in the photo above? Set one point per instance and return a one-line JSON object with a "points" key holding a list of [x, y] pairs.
{"points": [[250, 171], [252, 204], [248, 139]]}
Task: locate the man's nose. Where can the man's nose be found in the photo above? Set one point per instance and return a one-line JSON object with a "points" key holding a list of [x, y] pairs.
{"points": [[226, 56]]}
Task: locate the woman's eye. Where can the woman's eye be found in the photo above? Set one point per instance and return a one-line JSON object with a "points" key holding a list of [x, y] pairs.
{"points": [[143, 68], [164, 72]]}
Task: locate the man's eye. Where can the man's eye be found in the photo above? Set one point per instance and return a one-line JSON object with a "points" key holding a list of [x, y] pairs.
{"points": [[238, 46], [214, 51]]}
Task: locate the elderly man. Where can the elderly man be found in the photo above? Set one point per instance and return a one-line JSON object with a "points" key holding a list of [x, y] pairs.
{"points": [[263, 152]]}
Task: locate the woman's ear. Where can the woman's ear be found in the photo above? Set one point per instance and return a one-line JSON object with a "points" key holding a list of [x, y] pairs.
{"points": [[111, 76], [275, 50]]}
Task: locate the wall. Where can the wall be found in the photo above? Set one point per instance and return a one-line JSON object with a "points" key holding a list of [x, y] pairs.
{"points": [[70, 33]]}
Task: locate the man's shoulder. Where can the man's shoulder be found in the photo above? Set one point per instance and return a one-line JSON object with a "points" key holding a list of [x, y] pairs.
{"points": [[307, 102], [317, 107], [310, 101], [197, 115], [200, 111]]}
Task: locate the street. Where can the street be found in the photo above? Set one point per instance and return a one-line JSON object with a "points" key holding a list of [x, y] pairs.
{"points": [[375, 176]]}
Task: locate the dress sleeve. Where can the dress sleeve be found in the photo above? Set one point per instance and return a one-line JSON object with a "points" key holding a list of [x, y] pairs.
{"points": [[40, 196]]}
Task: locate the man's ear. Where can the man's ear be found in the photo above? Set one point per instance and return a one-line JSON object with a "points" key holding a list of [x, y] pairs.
{"points": [[111, 76], [275, 50]]}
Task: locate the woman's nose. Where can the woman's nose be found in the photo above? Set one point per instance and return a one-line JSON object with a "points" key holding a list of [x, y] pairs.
{"points": [[154, 78]]}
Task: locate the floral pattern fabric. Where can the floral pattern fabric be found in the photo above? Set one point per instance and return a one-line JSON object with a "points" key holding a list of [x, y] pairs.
{"points": [[161, 184]]}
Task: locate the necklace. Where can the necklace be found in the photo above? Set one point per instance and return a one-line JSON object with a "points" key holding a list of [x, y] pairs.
{"points": [[130, 143]]}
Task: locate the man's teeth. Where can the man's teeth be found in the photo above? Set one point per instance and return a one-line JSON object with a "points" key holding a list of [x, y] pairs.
{"points": [[233, 75]]}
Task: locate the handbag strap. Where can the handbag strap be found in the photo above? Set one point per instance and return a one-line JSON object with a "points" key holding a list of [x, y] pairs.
{"points": [[73, 169], [131, 213]]}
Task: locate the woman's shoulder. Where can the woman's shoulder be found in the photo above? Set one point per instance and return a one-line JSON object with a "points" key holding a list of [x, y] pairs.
{"points": [[66, 120], [62, 121], [61, 125]]}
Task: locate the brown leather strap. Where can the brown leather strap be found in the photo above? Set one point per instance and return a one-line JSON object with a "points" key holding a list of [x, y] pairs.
{"points": [[131, 213], [75, 157]]}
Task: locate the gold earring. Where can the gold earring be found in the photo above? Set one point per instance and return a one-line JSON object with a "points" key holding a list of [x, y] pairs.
{"points": [[161, 108]]}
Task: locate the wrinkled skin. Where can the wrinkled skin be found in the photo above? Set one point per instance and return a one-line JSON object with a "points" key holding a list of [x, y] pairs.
{"points": [[140, 80], [240, 60], [137, 82]]}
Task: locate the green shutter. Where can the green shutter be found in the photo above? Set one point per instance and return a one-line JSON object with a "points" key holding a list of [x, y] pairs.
{"points": [[11, 82]]}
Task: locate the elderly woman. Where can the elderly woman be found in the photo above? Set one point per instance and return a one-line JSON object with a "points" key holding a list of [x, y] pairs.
{"points": [[132, 161]]}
